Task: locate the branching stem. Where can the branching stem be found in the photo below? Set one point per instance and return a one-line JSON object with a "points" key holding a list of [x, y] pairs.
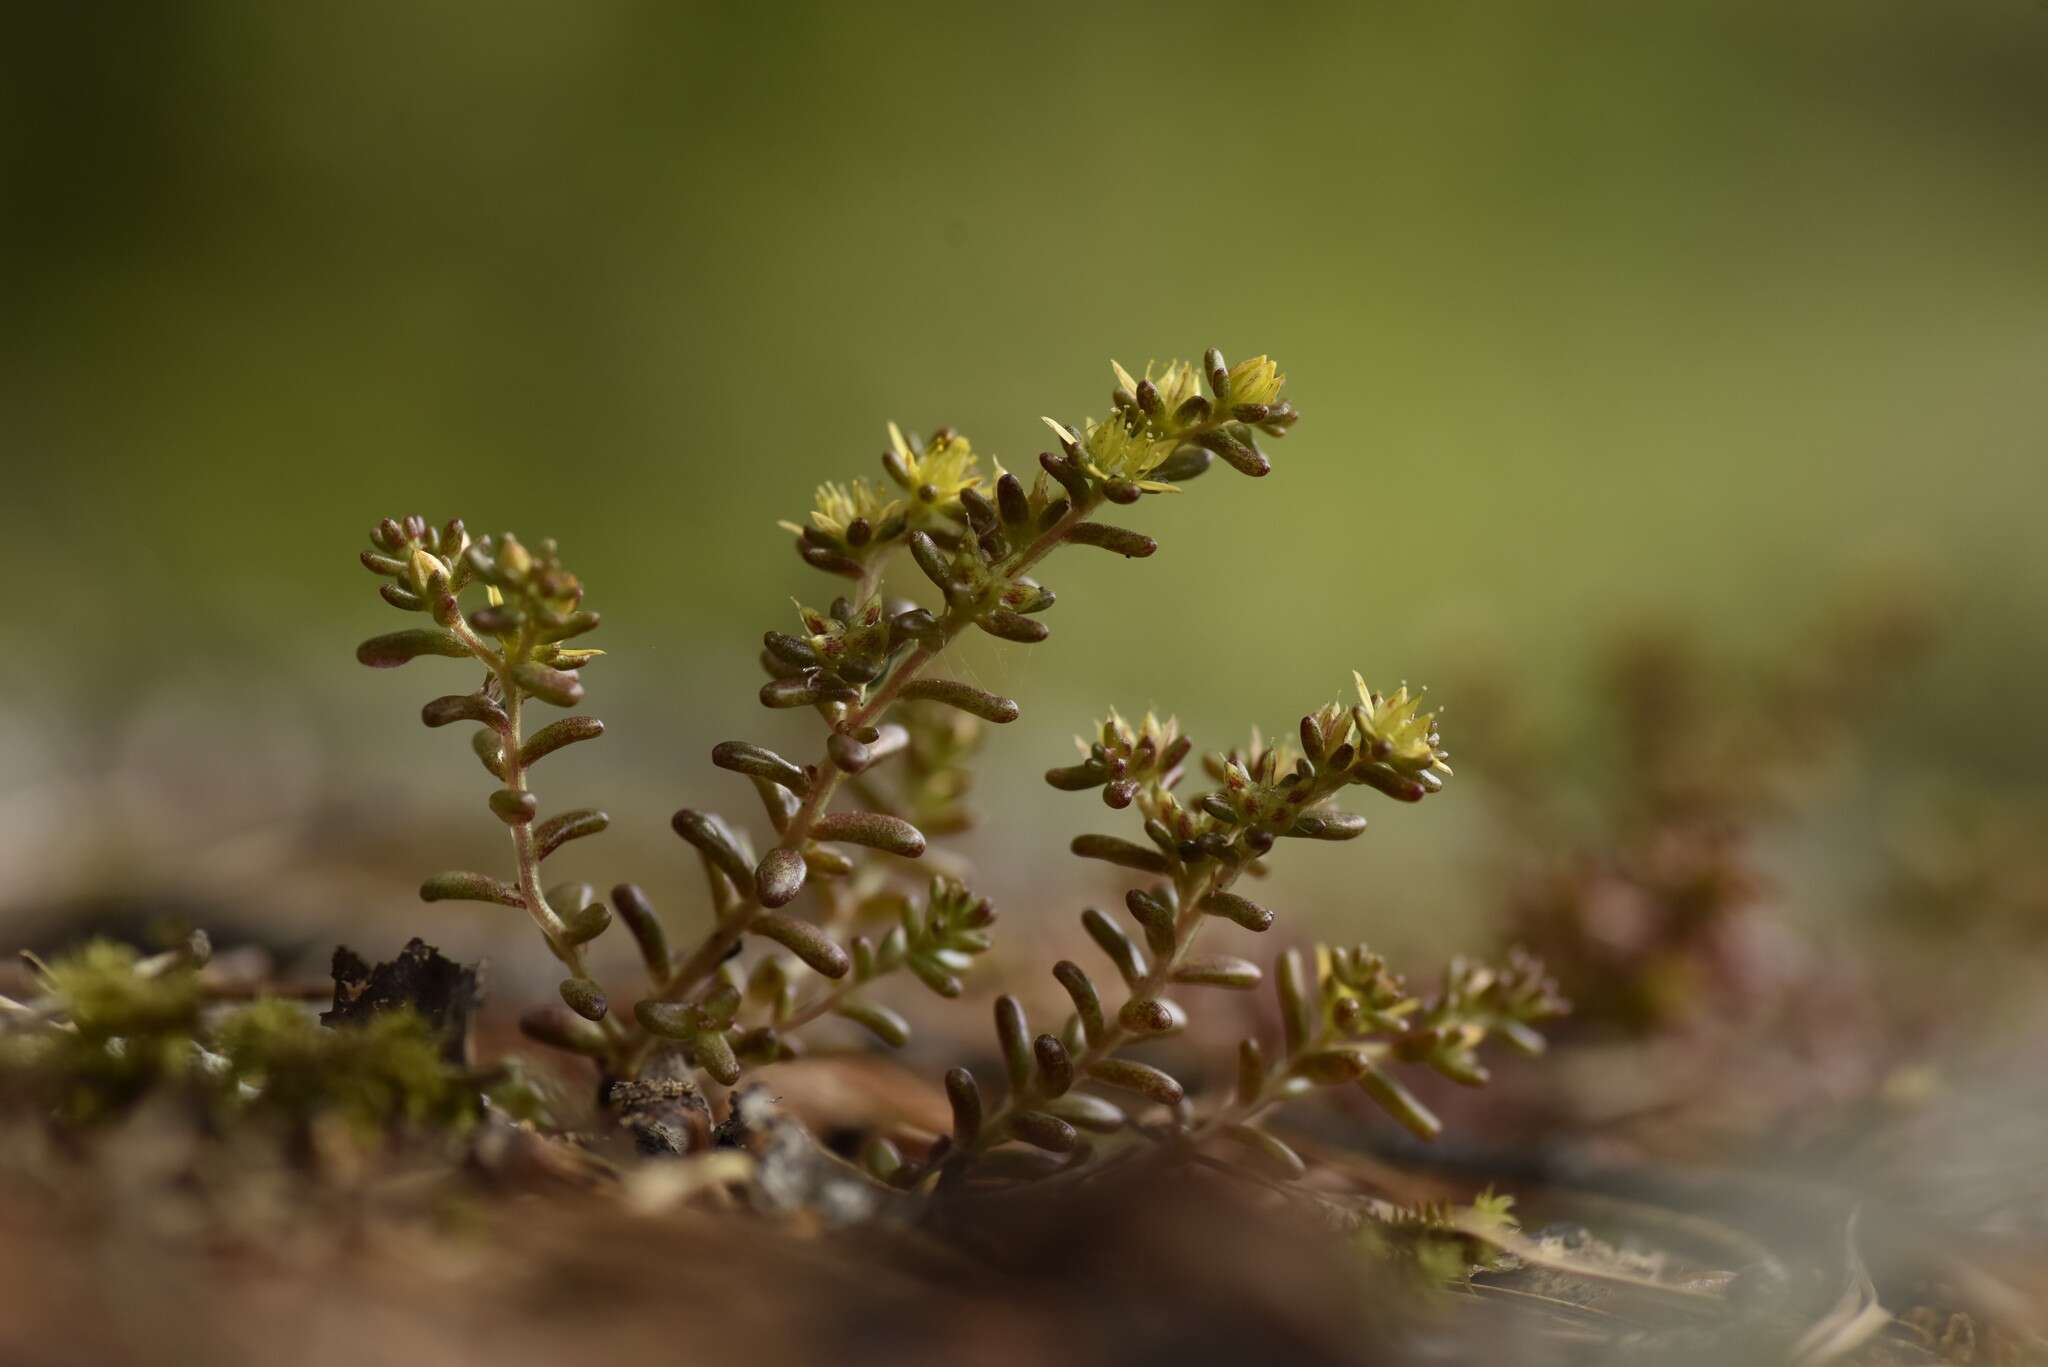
{"points": [[1194, 884], [698, 969]]}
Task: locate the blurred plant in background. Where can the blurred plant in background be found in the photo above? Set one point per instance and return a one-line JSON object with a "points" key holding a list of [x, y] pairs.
{"points": [[1644, 887]]}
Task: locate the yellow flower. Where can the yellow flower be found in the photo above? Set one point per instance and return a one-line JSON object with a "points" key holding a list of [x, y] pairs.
{"points": [[1394, 732], [1120, 449], [1134, 442], [837, 506], [1257, 380], [937, 474], [1176, 384]]}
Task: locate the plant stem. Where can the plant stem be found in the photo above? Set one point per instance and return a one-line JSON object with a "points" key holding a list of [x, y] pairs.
{"points": [[522, 834], [704, 962], [821, 1005], [525, 854], [1245, 1110]]}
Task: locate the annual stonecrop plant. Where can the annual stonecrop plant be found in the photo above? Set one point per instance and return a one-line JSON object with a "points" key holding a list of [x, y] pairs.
{"points": [[820, 910]]}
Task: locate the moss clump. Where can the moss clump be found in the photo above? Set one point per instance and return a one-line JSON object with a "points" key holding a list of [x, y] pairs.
{"points": [[107, 991], [387, 1073], [113, 1026]]}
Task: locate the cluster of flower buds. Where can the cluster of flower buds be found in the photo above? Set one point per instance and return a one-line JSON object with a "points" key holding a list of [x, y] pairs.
{"points": [[841, 650], [1121, 761], [395, 542], [533, 604], [852, 523], [531, 593], [1475, 1001], [973, 570], [424, 568], [1382, 743], [1398, 749], [1263, 792], [1342, 1024], [1351, 1018], [1164, 430]]}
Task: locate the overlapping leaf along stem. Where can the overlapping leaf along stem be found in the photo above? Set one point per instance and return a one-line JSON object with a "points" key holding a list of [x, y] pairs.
{"points": [[1163, 431], [703, 963], [1192, 887], [1197, 883], [743, 913], [867, 655], [534, 604], [524, 848], [976, 540], [1343, 1021]]}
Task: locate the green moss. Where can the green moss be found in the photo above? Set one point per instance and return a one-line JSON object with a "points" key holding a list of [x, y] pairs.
{"points": [[388, 1072], [119, 1026], [104, 995]]}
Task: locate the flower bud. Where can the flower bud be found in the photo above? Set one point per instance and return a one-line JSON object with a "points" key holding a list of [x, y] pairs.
{"points": [[1012, 501], [429, 574], [1218, 375]]}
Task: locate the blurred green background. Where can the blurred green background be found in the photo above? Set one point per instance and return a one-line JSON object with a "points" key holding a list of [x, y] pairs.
{"points": [[1591, 308]]}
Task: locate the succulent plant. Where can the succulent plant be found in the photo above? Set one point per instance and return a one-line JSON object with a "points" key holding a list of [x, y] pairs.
{"points": [[814, 920]]}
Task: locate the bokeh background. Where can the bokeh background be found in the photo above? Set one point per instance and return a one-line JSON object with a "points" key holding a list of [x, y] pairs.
{"points": [[1594, 309]]}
